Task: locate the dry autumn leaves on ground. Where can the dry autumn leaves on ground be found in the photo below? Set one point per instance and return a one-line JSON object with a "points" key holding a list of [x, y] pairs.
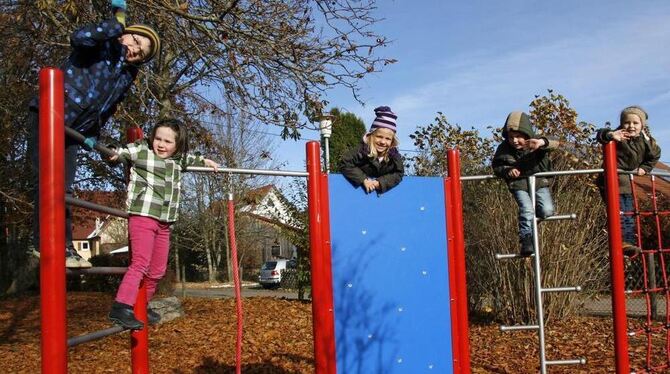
{"points": [[277, 339]]}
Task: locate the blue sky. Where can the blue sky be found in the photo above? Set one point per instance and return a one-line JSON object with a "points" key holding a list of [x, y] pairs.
{"points": [[476, 61]]}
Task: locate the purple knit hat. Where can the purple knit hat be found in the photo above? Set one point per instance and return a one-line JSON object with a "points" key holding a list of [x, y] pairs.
{"points": [[384, 118]]}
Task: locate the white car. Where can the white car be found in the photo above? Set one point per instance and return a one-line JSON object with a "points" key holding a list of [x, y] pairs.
{"points": [[271, 272]]}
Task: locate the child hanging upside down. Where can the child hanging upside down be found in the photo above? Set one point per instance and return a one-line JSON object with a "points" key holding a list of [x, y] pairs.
{"points": [[101, 69]]}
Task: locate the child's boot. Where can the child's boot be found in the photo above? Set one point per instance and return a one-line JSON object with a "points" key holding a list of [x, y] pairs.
{"points": [[123, 315], [526, 246], [630, 250]]}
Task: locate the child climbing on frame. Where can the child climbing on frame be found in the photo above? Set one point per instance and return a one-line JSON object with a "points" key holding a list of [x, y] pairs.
{"points": [[636, 151], [376, 164], [519, 156], [152, 204], [101, 69]]}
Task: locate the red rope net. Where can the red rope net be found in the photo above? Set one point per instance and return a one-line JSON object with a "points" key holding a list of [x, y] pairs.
{"points": [[647, 277]]}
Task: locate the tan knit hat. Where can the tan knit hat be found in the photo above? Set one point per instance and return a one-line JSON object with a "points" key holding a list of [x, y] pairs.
{"points": [[148, 32], [638, 111]]}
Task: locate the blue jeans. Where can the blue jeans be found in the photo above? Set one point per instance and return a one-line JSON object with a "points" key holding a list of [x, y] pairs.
{"points": [[544, 208], [627, 222]]}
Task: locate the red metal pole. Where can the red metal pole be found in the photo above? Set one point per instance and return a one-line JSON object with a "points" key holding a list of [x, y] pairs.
{"points": [[451, 263], [454, 169], [139, 340], [322, 295], [328, 269], [236, 281], [616, 259], [52, 221]]}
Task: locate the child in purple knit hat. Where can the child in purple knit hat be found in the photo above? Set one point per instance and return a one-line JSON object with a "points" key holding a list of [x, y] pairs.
{"points": [[376, 164]]}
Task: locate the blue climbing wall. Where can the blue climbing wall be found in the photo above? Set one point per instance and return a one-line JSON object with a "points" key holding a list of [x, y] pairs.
{"points": [[390, 278]]}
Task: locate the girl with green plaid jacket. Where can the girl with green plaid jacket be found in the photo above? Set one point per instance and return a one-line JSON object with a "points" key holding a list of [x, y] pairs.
{"points": [[152, 204]]}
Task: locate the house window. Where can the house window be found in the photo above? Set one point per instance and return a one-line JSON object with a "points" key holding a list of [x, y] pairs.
{"points": [[84, 246], [276, 250]]}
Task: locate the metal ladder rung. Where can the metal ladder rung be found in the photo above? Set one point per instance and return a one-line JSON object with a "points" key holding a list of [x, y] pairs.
{"points": [[504, 328], [558, 217], [577, 361], [509, 256], [563, 289]]}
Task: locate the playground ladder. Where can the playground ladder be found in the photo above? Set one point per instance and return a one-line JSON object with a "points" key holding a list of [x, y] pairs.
{"points": [[539, 290]]}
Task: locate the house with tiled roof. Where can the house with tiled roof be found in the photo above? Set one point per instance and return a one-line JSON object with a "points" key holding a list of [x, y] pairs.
{"points": [[661, 185], [95, 233], [265, 210]]}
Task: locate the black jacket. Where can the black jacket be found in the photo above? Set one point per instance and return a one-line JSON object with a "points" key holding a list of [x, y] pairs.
{"points": [[356, 166]]}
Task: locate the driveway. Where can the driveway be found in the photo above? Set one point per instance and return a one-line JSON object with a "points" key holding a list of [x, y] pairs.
{"points": [[225, 291]]}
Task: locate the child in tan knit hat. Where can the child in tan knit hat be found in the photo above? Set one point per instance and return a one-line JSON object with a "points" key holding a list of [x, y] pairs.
{"points": [[101, 69], [636, 151]]}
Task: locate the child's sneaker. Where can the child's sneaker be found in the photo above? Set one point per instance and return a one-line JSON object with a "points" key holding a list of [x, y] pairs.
{"points": [[123, 315], [630, 250], [526, 246]]}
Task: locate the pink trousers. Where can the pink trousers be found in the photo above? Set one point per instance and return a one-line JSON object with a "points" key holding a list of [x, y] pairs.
{"points": [[150, 244]]}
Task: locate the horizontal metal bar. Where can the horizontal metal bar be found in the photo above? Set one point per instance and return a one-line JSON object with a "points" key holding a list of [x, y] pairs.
{"points": [[563, 289], [478, 177], [559, 217], [578, 361], [542, 174], [281, 173], [97, 207], [634, 173], [557, 173], [504, 328], [98, 270], [508, 256], [74, 134], [94, 335]]}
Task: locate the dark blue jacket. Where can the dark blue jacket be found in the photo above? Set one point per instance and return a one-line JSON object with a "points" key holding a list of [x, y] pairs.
{"points": [[96, 76]]}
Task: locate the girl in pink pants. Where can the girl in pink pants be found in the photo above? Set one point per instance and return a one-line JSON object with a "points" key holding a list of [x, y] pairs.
{"points": [[153, 203]]}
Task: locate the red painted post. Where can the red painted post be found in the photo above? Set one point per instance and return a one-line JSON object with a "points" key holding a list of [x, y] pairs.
{"points": [[52, 221], [616, 259], [139, 340], [451, 263], [454, 171], [328, 270], [322, 295], [236, 280]]}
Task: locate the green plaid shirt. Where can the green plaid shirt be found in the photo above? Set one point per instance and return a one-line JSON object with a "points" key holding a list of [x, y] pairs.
{"points": [[154, 187]]}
